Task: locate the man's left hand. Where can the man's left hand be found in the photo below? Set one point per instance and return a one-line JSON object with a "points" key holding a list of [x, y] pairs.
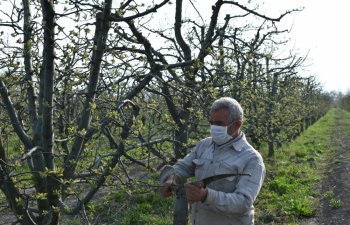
{"points": [[195, 193]]}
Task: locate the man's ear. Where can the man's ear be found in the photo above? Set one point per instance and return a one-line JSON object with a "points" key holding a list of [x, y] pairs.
{"points": [[238, 123], [236, 126]]}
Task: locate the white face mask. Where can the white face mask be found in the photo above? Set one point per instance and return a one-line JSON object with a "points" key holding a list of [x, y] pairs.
{"points": [[219, 134]]}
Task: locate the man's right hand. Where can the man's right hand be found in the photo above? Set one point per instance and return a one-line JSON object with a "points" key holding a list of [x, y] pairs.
{"points": [[167, 188]]}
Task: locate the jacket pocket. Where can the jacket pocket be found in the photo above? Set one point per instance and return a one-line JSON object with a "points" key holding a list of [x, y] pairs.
{"points": [[227, 184], [200, 168], [225, 168]]}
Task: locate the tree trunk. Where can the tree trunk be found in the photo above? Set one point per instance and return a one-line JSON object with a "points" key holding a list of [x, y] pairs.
{"points": [[180, 207]]}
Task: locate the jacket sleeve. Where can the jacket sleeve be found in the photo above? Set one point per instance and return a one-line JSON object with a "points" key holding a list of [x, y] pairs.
{"points": [[247, 189], [183, 169]]}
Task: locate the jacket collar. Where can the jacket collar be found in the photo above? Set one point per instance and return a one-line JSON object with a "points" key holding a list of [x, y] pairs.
{"points": [[237, 143]]}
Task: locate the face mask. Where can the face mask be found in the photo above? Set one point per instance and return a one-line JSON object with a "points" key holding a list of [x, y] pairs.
{"points": [[219, 134]]}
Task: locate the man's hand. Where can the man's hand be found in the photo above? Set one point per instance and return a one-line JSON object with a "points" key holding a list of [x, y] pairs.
{"points": [[195, 193], [167, 188]]}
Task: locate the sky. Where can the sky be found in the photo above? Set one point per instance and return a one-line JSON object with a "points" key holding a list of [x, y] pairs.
{"points": [[323, 30]]}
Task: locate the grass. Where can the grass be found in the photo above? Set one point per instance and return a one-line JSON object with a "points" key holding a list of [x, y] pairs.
{"points": [[333, 202], [139, 208], [292, 187]]}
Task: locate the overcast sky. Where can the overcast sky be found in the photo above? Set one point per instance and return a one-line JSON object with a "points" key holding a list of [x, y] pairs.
{"points": [[323, 28]]}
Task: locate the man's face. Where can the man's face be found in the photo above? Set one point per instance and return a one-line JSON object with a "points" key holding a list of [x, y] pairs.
{"points": [[219, 117]]}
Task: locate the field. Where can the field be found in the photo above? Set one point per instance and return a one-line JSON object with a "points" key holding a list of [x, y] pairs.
{"points": [[304, 185], [296, 186]]}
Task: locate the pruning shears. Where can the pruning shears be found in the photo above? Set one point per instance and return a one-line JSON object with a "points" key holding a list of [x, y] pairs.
{"points": [[204, 182]]}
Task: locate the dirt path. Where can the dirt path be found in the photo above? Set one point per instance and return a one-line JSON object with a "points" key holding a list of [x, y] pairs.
{"points": [[336, 186]]}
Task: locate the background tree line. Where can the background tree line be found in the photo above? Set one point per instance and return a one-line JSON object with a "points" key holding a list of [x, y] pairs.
{"points": [[91, 90]]}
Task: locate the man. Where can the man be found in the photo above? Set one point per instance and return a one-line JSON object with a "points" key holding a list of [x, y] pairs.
{"points": [[227, 201]]}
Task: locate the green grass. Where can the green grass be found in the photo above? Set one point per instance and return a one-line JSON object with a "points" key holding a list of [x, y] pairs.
{"points": [[333, 202], [138, 208], [292, 186], [124, 208]]}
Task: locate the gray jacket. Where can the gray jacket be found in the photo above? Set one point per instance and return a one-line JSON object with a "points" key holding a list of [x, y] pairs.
{"points": [[230, 200]]}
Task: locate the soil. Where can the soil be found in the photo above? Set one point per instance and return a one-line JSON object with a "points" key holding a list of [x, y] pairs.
{"points": [[337, 180]]}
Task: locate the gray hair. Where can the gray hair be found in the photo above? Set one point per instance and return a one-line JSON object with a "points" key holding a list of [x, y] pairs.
{"points": [[234, 108]]}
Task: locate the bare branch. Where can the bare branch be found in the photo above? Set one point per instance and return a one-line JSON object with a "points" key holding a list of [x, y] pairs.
{"points": [[260, 15], [116, 18], [178, 23], [13, 116]]}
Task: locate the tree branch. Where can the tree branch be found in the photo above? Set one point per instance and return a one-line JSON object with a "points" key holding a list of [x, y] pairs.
{"points": [[102, 28], [28, 65], [178, 23], [13, 117], [260, 15], [116, 18]]}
